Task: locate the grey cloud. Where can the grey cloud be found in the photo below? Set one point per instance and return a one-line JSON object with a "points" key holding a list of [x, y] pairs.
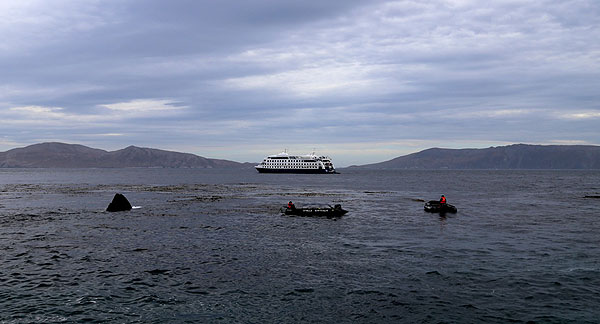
{"points": [[304, 71]]}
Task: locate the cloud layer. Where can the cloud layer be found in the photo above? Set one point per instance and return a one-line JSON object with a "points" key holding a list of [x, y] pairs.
{"points": [[361, 81]]}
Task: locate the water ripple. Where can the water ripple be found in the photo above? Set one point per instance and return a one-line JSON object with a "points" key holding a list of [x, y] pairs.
{"points": [[202, 251]]}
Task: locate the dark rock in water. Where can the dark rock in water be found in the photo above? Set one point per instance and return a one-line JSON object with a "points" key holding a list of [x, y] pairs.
{"points": [[119, 203]]}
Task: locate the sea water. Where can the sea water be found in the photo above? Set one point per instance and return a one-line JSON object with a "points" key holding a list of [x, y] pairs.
{"points": [[211, 246]]}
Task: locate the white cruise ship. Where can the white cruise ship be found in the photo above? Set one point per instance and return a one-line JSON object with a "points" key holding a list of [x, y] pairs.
{"points": [[286, 163]]}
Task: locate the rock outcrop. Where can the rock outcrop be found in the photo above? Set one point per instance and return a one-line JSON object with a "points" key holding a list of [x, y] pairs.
{"points": [[119, 203]]}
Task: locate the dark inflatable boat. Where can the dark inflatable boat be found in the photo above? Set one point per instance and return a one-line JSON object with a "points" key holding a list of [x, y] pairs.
{"points": [[329, 212], [434, 206]]}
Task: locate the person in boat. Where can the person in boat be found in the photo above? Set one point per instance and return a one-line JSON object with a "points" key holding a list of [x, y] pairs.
{"points": [[290, 205], [443, 200]]}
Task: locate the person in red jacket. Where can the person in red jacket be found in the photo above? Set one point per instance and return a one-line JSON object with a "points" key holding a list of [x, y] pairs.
{"points": [[291, 205], [443, 200]]}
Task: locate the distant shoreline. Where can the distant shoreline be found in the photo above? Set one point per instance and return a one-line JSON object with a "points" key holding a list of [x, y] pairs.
{"points": [[511, 157]]}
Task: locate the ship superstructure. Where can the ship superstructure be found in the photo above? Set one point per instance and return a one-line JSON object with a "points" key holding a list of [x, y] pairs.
{"points": [[286, 163]]}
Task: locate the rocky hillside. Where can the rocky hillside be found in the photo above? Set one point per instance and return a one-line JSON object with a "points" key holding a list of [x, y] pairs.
{"points": [[60, 155], [518, 156]]}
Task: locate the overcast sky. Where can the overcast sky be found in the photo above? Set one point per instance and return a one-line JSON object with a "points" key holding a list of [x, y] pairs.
{"points": [[361, 81]]}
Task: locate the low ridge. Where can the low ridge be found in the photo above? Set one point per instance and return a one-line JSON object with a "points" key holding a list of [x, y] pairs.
{"points": [[516, 156], [61, 155]]}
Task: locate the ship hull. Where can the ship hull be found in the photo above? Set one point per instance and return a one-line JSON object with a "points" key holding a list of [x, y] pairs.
{"points": [[304, 171]]}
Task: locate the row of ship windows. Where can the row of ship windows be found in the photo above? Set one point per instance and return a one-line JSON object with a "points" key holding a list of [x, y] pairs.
{"points": [[291, 161], [293, 166], [276, 163]]}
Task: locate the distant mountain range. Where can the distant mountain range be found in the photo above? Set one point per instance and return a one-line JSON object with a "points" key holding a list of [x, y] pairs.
{"points": [[518, 156], [60, 155]]}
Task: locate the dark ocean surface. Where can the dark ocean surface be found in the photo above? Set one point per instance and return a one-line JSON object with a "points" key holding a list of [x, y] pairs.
{"points": [[210, 246]]}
